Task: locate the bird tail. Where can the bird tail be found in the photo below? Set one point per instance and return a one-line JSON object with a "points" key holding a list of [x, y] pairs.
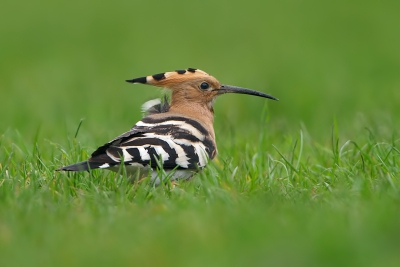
{"points": [[77, 167]]}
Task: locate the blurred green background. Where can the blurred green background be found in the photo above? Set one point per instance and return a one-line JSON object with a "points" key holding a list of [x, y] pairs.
{"points": [[327, 61], [62, 61]]}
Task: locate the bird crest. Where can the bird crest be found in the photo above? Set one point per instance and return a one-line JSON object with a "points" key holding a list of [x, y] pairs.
{"points": [[193, 86], [166, 79]]}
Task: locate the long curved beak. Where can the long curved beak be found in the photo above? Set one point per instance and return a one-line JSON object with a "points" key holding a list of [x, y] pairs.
{"points": [[239, 90]]}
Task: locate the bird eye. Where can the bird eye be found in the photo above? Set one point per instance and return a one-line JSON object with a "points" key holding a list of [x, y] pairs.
{"points": [[204, 85]]}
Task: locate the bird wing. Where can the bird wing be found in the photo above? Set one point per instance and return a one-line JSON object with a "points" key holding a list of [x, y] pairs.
{"points": [[175, 142]]}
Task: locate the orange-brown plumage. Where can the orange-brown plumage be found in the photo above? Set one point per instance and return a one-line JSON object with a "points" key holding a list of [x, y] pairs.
{"points": [[180, 135]]}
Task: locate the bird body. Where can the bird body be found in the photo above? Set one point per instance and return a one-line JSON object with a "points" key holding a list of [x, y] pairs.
{"points": [[177, 137]]}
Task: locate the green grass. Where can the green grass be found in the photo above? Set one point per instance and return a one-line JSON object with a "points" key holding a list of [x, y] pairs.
{"points": [[311, 180]]}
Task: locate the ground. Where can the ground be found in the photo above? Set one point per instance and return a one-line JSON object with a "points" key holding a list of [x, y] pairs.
{"points": [[311, 180]]}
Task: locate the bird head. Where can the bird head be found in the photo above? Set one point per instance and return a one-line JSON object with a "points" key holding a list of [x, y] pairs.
{"points": [[194, 86]]}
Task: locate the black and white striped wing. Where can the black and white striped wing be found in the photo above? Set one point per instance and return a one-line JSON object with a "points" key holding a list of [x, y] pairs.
{"points": [[175, 141]]}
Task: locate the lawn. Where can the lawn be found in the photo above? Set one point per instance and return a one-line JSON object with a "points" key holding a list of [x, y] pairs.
{"points": [[310, 180]]}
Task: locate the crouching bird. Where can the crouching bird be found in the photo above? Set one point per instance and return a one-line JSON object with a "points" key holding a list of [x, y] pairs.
{"points": [[179, 136]]}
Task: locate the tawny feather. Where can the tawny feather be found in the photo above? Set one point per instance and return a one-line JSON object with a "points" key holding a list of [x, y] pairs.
{"points": [[178, 135]]}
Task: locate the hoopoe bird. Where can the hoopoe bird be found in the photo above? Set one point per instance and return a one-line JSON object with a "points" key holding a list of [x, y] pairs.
{"points": [[178, 135]]}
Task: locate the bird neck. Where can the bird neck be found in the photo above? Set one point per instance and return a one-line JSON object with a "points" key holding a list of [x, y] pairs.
{"points": [[195, 110]]}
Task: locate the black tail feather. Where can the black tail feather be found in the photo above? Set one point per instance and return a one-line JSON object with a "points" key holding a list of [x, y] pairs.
{"points": [[77, 167]]}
